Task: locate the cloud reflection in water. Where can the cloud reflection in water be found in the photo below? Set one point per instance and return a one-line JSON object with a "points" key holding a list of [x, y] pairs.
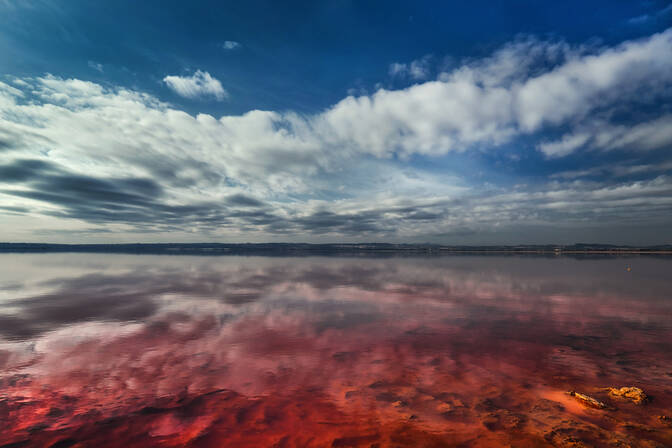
{"points": [[174, 351]]}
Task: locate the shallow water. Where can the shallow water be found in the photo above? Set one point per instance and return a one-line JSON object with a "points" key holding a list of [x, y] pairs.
{"points": [[117, 350]]}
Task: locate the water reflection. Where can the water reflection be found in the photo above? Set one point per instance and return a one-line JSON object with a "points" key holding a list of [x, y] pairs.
{"points": [[109, 350]]}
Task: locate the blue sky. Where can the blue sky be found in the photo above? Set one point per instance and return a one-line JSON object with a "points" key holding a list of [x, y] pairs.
{"points": [[481, 122]]}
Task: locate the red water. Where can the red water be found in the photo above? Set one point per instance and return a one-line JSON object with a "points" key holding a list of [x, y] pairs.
{"points": [[236, 352]]}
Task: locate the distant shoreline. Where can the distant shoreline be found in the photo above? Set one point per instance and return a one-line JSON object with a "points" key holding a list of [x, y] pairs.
{"points": [[305, 249]]}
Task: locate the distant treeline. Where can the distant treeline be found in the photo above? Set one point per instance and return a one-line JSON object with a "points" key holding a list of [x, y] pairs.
{"points": [[299, 249]]}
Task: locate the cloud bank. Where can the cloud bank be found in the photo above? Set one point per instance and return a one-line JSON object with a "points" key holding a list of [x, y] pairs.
{"points": [[76, 151]]}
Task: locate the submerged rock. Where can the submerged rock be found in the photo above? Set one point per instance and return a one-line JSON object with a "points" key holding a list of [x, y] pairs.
{"points": [[635, 394], [587, 401]]}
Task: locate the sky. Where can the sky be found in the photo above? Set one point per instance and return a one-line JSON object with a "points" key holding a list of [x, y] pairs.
{"points": [[481, 122]]}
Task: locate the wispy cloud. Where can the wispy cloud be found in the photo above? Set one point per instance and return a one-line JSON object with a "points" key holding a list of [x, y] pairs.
{"points": [[231, 45], [639, 19], [96, 66], [598, 134], [416, 70], [200, 84], [646, 18]]}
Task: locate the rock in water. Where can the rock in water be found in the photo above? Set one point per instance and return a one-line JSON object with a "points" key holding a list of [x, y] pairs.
{"points": [[634, 394], [587, 401]]}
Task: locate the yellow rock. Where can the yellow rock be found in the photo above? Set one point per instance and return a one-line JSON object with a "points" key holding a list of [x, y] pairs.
{"points": [[634, 394]]}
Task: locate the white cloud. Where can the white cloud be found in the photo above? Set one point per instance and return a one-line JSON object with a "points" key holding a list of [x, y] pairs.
{"points": [[645, 18], [583, 84], [491, 101], [230, 45], [566, 145], [649, 135], [397, 68], [416, 70], [200, 84], [620, 170], [598, 134], [9, 90]]}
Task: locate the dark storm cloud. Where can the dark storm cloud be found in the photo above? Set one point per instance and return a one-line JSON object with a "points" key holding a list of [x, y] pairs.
{"points": [[50, 183], [325, 221], [127, 200], [172, 173], [23, 170], [423, 216], [131, 191], [243, 201], [137, 201], [381, 220]]}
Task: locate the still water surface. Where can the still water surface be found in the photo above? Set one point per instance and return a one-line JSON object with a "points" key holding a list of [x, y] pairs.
{"points": [[135, 351]]}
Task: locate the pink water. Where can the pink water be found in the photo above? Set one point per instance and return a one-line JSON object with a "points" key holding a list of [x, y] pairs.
{"points": [[136, 351]]}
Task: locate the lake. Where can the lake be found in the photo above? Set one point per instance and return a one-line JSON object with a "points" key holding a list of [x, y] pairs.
{"points": [[112, 350]]}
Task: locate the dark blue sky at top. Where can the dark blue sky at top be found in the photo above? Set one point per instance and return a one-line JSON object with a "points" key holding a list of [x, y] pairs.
{"points": [[298, 55], [306, 56]]}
